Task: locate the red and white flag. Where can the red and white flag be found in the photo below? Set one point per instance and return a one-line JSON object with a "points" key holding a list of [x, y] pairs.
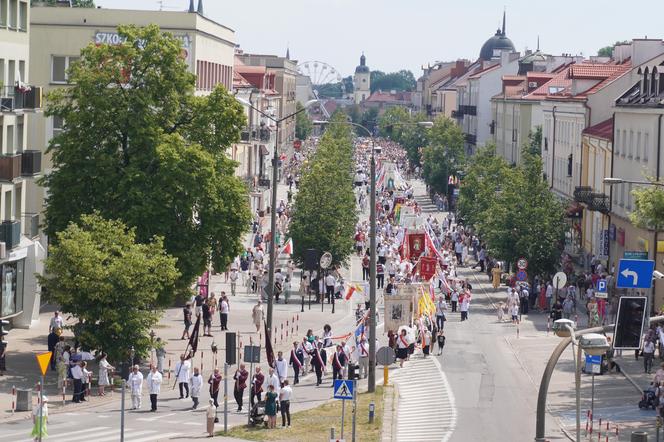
{"points": [[288, 247]]}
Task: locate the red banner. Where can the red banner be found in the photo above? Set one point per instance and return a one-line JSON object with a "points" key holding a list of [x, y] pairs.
{"points": [[416, 245], [427, 267]]}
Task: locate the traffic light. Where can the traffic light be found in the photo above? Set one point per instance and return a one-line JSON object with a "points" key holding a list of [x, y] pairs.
{"points": [[629, 324], [3, 323]]}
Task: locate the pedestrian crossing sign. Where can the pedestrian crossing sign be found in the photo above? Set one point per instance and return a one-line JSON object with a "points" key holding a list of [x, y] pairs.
{"points": [[343, 389]]}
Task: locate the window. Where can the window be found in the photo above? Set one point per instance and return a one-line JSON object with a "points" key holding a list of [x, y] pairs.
{"points": [[8, 206], [58, 125], [23, 16], [630, 144], [637, 151], [11, 287], [19, 133], [3, 13], [21, 71], [18, 203], [59, 66], [10, 141], [623, 147], [570, 164], [13, 14], [646, 146], [546, 143]]}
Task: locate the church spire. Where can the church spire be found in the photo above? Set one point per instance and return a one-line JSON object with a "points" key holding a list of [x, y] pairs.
{"points": [[287, 53], [191, 6], [538, 43], [504, 22]]}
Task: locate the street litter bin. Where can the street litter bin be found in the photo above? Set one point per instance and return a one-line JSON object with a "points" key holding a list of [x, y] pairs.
{"points": [[23, 399], [639, 436]]}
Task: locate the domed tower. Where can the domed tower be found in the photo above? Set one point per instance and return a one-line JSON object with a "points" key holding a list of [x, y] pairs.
{"points": [[362, 81], [495, 45]]}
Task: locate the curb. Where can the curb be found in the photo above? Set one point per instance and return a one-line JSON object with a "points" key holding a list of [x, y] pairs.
{"points": [[389, 415]]}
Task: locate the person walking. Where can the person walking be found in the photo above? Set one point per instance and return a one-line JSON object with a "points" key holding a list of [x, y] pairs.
{"points": [[224, 308], [77, 376], [496, 272], [104, 368], [234, 277], [297, 361], [454, 299], [441, 308], [281, 367], [256, 386], [56, 322], [52, 341], [241, 376], [210, 417], [186, 317], [402, 347], [182, 375], [648, 354], [215, 381], [154, 386], [257, 315], [135, 382], [285, 395], [338, 363], [318, 361], [207, 318], [441, 342], [363, 359], [39, 420], [465, 306], [195, 385], [271, 407], [160, 353]]}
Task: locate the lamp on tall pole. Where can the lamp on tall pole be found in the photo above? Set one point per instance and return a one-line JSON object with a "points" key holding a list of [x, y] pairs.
{"points": [[372, 246], [273, 208]]}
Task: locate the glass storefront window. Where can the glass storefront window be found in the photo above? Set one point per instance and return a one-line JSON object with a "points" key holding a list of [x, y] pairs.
{"points": [[11, 288]]}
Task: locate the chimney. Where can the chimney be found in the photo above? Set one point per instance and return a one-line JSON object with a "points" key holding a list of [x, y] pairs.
{"points": [[191, 6], [200, 7]]}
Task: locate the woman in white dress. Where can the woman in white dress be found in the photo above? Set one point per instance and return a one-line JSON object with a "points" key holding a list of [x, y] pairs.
{"points": [[104, 368]]}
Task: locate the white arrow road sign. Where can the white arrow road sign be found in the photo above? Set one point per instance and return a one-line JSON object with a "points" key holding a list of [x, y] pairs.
{"points": [[627, 273]]}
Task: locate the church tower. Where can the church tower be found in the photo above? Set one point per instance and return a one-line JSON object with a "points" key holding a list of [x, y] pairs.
{"points": [[362, 81]]}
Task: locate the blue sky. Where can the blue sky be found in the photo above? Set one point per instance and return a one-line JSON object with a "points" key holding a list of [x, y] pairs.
{"points": [[397, 34]]}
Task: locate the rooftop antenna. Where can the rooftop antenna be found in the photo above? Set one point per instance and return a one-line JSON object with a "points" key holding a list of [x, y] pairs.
{"points": [[538, 43], [504, 12]]}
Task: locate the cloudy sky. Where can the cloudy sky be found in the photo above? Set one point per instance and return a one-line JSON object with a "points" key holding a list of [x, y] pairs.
{"points": [[397, 34]]}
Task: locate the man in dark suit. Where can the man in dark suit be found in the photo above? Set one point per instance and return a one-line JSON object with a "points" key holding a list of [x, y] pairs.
{"points": [[297, 361], [318, 361], [338, 363]]}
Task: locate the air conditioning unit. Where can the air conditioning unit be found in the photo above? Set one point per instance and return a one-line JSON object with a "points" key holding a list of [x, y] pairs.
{"points": [[532, 84], [3, 250]]}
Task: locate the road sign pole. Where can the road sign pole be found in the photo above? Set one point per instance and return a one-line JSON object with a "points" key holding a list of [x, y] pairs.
{"points": [[343, 416], [41, 408], [226, 396], [592, 396], [122, 410], [354, 408]]}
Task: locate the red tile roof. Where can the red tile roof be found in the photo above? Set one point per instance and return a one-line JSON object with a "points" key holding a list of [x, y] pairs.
{"points": [[602, 130], [387, 97]]}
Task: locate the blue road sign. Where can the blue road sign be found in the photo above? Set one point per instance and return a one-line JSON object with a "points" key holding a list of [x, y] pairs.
{"points": [[601, 286], [521, 275], [635, 274], [343, 389], [593, 359]]}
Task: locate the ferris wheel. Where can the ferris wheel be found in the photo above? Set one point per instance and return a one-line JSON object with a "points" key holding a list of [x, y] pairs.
{"points": [[320, 73]]}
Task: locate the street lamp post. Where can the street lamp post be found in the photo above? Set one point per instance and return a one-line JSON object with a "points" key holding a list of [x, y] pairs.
{"points": [[372, 247], [273, 208]]}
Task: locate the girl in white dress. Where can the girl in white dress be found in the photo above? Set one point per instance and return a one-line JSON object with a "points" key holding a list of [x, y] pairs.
{"points": [[104, 368]]}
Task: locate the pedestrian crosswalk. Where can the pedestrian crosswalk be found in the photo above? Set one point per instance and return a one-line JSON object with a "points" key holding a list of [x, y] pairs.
{"points": [[426, 409], [77, 431]]}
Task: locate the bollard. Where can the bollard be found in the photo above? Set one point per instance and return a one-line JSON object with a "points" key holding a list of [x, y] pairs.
{"points": [[169, 369], [587, 420], [286, 323], [298, 317], [286, 333], [282, 326], [372, 410], [64, 399], [13, 398]]}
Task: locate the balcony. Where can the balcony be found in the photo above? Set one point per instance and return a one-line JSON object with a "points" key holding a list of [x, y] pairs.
{"points": [[582, 194], [14, 99], [470, 139], [10, 167], [10, 233], [263, 182], [31, 163], [599, 202], [467, 110], [245, 135], [264, 134]]}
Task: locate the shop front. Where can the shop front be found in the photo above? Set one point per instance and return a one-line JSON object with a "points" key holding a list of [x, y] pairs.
{"points": [[12, 284]]}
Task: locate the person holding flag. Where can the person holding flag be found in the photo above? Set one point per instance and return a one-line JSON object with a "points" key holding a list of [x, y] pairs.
{"points": [[297, 361]]}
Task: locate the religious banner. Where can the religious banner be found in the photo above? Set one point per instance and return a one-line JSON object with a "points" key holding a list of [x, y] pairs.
{"points": [[427, 267], [416, 244], [398, 311]]}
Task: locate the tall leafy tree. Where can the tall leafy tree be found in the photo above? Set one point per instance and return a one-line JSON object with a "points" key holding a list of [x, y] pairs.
{"points": [[140, 147], [324, 211], [303, 124], [648, 208], [403, 80], [443, 155], [113, 285]]}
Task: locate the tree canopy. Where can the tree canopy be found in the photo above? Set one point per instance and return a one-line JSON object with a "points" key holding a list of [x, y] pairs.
{"points": [[607, 51], [140, 147], [115, 287], [648, 208], [324, 211], [444, 154], [403, 80], [303, 124]]}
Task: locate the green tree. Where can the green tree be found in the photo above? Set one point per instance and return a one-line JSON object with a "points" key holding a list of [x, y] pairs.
{"points": [[607, 51], [393, 123], [534, 145], [329, 90], [114, 286], [324, 211], [140, 147], [525, 219], [370, 119], [648, 208], [443, 155], [403, 80], [303, 124], [485, 177], [348, 84]]}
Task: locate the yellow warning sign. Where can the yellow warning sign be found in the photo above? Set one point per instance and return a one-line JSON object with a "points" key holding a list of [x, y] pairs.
{"points": [[43, 359]]}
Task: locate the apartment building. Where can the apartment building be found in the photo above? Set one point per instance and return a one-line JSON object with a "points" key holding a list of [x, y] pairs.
{"points": [[21, 253]]}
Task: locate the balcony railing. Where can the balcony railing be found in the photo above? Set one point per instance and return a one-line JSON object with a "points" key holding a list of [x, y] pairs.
{"points": [[582, 194], [263, 182], [13, 98], [10, 167], [10, 233], [467, 110], [31, 162], [599, 202]]}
